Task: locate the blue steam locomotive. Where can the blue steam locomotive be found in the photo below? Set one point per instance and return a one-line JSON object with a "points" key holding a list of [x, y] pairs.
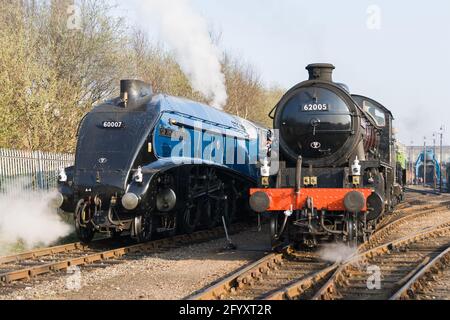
{"points": [[154, 164], [427, 168]]}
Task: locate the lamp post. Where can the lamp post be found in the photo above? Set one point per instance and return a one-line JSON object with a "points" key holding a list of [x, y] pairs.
{"points": [[411, 166], [441, 132], [424, 161], [434, 165]]}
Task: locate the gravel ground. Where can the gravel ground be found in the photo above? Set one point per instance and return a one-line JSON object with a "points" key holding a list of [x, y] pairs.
{"points": [[437, 290], [171, 275]]}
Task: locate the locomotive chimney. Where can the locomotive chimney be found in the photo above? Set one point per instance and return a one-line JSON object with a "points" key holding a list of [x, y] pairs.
{"points": [[135, 93], [321, 71]]}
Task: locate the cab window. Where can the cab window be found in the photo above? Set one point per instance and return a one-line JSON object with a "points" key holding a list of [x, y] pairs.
{"points": [[377, 114]]}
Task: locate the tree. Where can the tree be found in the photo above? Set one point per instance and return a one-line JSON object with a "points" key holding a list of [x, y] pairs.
{"points": [[52, 74]]}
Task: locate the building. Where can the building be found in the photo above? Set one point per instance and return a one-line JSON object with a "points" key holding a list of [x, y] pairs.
{"points": [[412, 153]]}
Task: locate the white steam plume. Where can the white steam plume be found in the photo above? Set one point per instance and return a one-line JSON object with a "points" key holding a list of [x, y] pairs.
{"points": [[27, 216], [336, 252], [186, 33]]}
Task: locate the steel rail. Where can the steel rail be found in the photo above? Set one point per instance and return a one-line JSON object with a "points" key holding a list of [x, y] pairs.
{"points": [[423, 276], [272, 272], [239, 279], [299, 288], [81, 259], [42, 252], [387, 229], [330, 287], [256, 271], [405, 211]]}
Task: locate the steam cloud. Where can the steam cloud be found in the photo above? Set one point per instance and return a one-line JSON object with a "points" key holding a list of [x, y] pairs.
{"points": [[187, 34], [337, 252], [27, 216]]}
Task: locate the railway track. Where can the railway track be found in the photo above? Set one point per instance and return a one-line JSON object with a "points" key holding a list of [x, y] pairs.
{"points": [[31, 264], [258, 280], [413, 202], [431, 282], [412, 220], [379, 273], [286, 275], [299, 275]]}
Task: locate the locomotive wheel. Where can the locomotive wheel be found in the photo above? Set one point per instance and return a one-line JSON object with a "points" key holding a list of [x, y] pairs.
{"points": [[213, 209], [143, 227], [273, 230], [85, 231], [190, 218], [210, 212], [276, 240], [350, 232], [351, 226], [85, 234]]}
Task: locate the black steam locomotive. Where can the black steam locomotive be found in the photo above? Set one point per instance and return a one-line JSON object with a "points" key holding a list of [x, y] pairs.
{"points": [[337, 163]]}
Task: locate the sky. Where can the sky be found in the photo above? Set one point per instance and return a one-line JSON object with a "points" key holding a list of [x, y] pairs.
{"points": [[397, 52]]}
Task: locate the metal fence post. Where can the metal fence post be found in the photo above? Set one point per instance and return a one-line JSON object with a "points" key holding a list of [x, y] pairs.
{"points": [[40, 171], [19, 169]]}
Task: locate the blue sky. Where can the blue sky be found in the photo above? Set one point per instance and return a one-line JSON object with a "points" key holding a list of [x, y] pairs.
{"points": [[405, 64]]}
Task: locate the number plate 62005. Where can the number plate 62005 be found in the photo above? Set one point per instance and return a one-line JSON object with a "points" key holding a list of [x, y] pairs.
{"points": [[315, 107]]}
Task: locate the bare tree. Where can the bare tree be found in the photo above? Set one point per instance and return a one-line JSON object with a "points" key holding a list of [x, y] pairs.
{"points": [[52, 75]]}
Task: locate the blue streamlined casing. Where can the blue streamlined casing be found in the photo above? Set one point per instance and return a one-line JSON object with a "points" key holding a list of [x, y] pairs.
{"points": [[206, 135], [105, 157]]}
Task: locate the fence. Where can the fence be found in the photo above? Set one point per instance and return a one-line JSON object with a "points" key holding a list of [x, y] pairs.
{"points": [[31, 169]]}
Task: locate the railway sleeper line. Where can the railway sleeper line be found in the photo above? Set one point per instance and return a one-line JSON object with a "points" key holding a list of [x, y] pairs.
{"points": [[388, 230], [398, 263], [267, 277], [425, 278], [401, 213], [304, 288], [257, 280], [28, 265], [287, 275]]}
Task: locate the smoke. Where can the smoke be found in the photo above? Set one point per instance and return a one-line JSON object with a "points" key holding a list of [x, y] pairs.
{"points": [[336, 252], [187, 35], [27, 217]]}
